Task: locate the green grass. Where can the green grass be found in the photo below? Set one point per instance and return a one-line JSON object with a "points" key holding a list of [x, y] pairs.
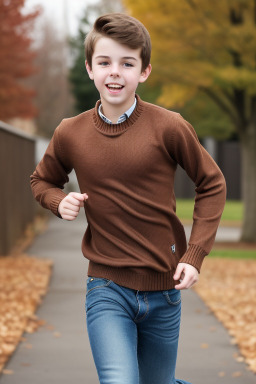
{"points": [[184, 209], [233, 210], [234, 253]]}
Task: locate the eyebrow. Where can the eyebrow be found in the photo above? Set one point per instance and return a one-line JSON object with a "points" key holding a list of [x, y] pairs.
{"points": [[107, 57]]}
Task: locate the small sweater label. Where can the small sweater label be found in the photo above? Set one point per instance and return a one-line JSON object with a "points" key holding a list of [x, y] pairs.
{"points": [[173, 248]]}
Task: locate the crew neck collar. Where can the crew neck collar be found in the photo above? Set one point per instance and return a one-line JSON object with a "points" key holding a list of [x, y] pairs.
{"points": [[116, 129], [121, 118]]}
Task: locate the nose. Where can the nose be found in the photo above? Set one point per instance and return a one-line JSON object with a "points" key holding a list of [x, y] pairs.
{"points": [[114, 71]]}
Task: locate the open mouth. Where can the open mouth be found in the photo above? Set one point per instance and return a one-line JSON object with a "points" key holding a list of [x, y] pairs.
{"points": [[114, 87]]}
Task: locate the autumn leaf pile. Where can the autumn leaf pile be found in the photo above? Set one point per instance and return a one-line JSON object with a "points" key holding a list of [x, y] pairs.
{"points": [[228, 287], [23, 283]]}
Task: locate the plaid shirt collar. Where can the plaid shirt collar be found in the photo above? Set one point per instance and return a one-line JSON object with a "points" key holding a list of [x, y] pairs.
{"points": [[122, 118]]}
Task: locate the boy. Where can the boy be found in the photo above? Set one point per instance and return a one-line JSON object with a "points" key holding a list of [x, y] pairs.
{"points": [[125, 153]]}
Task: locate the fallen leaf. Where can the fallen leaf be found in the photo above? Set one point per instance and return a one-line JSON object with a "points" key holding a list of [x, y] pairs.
{"points": [[24, 281], [236, 374], [228, 288], [28, 346], [8, 372], [57, 334], [50, 327], [240, 359]]}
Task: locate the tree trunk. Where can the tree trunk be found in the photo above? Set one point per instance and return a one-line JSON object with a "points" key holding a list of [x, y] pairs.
{"points": [[248, 146]]}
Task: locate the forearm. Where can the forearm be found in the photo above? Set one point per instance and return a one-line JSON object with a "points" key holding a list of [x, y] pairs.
{"points": [[210, 190], [50, 176], [209, 204], [47, 194]]}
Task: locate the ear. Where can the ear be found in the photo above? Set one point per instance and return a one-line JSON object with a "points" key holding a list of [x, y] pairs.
{"points": [[145, 74], [89, 70]]}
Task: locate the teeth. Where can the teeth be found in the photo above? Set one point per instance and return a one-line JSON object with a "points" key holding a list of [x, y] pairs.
{"points": [[115, 86]]}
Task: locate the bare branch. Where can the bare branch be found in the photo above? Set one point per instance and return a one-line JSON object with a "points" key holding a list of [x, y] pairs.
{"points": [[224, 106]]}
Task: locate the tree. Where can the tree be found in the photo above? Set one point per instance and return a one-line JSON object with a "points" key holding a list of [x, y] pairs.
{"points": [[53, 98], [16, 60], [206, 49], [83, 89]]}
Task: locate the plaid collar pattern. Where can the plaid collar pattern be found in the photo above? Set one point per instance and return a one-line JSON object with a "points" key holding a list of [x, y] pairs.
{"points": [[122, 118]]}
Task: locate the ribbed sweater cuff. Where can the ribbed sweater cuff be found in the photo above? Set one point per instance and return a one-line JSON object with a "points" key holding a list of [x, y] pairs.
{"points": [[58, 197], [194, 256]]}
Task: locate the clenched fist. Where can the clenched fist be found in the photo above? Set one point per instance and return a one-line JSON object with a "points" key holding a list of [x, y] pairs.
{"points": [[70, 206], [187, 274]]}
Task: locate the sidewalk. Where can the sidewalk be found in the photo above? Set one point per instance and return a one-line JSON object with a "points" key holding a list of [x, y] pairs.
{"points": [[225, 234], [59, 352]]}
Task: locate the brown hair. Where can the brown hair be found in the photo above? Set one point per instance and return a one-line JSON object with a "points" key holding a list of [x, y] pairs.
{"points": [[125, 30]]}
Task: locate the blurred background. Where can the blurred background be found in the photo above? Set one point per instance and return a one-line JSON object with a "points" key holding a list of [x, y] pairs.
{"points": [[204, 67], [203, 62]]}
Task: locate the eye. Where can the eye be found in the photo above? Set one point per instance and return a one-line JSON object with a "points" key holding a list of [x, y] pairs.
{"points": [[128, 65], [103, 63]]}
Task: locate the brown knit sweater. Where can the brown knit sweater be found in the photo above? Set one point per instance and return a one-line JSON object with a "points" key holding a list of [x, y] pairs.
{"points": [[134, 237]]}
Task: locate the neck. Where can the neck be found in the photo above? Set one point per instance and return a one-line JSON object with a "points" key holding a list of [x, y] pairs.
{"points": [[117, 129], [111, 115], [113, 112]]}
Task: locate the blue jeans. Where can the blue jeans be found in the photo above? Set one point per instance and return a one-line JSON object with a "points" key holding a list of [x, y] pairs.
{"points": [[133, 334]]}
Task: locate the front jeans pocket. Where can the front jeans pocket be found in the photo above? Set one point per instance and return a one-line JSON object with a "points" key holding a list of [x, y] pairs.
{"points": [[172, 296], [96, 282]]}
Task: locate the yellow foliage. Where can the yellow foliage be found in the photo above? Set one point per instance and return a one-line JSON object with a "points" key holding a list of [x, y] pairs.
{"points": [[175, 95], [199, 43]]}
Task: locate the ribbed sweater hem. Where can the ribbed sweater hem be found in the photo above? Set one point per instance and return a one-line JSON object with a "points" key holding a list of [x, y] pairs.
{"points": [[148, 280]]}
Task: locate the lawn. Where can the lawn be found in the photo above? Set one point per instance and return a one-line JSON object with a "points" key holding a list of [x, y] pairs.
{"points": [[234, 253], [233, 211], [232, 216]]}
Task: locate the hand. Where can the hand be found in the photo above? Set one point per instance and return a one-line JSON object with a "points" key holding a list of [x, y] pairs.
{"points": [[70, 206], [187, 273]]}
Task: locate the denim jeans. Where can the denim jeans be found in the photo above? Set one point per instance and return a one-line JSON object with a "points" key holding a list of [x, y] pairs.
{"points": [[133, 334]]}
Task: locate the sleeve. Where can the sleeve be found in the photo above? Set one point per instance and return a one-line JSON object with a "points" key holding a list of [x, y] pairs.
{"points": [[50, 176], [210, 189]]}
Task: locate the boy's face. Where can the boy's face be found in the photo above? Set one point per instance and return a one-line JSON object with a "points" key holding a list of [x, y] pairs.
{"points": [[116, 71]]}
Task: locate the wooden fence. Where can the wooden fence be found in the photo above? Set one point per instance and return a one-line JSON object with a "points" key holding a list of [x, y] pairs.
{"points": [[17, 162]]}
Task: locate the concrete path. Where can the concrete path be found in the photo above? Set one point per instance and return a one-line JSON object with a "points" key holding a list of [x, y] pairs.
{"points": [[225, 234], [59, 352]]}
